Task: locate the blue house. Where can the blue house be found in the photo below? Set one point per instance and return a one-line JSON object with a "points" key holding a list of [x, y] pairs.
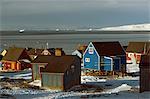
{"points": [[105, 56]]}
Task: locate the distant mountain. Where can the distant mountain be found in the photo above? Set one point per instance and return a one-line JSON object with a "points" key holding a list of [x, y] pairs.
{"points": [[138, 27]]}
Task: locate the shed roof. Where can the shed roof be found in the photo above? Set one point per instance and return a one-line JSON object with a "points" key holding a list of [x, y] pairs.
{"points": [[145, 61], [13, 54], [33, 51], [56, 64], [109, 48], [138, 47]]}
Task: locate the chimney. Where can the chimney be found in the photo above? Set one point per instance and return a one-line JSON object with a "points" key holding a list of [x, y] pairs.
{"points": [[58, 51], [35, 51]]}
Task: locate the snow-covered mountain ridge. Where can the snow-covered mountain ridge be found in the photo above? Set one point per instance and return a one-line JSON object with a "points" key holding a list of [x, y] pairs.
{"points": [[138, 27]]}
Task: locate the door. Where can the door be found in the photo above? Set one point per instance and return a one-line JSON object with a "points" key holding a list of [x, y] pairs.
{"points": [[117, 64]]}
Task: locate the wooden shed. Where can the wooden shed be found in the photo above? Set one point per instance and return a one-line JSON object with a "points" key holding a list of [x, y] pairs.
{"points": [[145, 73], [16, 59], [57, 72], [105, 56]]}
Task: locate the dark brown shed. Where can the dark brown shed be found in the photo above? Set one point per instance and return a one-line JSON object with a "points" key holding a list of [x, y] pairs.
{"points": [[145, 73], [59, 72]]}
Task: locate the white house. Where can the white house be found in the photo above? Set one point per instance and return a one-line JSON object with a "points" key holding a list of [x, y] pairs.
{"points": [[78, 53]]}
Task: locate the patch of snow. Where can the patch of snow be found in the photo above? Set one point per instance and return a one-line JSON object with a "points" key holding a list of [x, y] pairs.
{"points": [[36, 83], [21, 91], [25, 60], [85, 79], [123, 87], [129, 78], [28, 77]]}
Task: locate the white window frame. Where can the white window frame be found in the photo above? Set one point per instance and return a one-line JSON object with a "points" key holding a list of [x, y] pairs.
{"points": [[91, 50], [87, 60]]}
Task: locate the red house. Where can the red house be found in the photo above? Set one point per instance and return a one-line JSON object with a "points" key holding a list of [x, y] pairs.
{"points": [[133, 55], [16, 59]]}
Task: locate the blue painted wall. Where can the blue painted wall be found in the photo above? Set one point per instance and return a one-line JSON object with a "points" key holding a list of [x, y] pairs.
{"points": [[94, 62], [104, 63], [107, 64], [123, 59]]}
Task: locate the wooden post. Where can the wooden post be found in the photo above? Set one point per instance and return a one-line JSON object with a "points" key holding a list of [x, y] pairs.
{"points": [[113, 74]]}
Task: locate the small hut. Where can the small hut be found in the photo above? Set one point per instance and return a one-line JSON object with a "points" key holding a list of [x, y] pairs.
{"points": [[145, 73]]}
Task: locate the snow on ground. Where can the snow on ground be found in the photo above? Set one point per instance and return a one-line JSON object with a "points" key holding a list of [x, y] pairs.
{"points": [[85, 79], [119, 88], [36, 83], [123, 87]]}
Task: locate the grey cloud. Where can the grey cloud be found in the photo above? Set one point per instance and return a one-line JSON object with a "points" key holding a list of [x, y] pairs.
{"points": [[55, 13]]}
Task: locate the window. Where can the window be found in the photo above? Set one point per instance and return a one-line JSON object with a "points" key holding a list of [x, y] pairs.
{"points": [[91, 51], [87, 59], [41, 66]]}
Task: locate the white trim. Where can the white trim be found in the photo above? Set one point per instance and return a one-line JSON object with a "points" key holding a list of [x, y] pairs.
{"points": [[99, 63], [96, 53]]}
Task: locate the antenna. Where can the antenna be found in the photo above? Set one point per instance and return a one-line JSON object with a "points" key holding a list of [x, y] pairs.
{"points": [[144, 48], [47, 45]]}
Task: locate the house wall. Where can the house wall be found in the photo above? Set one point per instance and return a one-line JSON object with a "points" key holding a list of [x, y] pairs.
{"points": [[123, 62], [144, 79], [106, 63], [136, 55], [36, 72], [11, 65], [91, 59], [73, 75], [132, 59], [53, 80]]}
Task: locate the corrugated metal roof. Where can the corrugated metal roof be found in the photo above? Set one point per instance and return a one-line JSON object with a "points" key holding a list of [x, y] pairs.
{"points": [[109, 48], [13, 54], [56, 64], [138, 47]]}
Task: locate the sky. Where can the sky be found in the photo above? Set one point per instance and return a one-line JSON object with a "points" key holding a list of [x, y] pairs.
{"points": [[71, 14]]}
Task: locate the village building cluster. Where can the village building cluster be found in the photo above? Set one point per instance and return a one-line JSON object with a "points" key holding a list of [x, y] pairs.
{"points": [[57, 70]]}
